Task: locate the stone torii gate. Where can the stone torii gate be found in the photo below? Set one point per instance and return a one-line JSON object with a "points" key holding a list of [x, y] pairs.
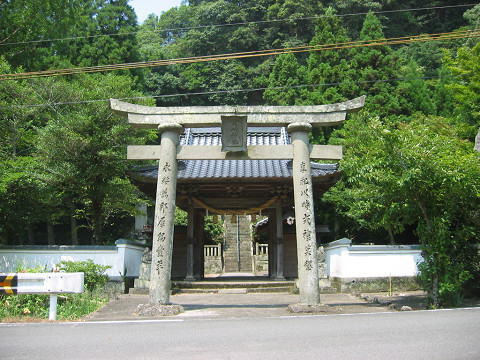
{"points": [[234, 120]]}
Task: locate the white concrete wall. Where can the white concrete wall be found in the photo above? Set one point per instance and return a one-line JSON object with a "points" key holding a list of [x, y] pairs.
{"points": [[345, 260], [124, 255]]}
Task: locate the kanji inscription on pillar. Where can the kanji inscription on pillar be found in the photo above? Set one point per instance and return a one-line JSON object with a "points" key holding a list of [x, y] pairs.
{"points": [[162, 244], [304, 213], [308, 215], [163, 207]]}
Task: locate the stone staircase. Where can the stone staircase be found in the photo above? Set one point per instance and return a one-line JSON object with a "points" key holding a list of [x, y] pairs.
{"points": [[238, 245], [229, 283]]}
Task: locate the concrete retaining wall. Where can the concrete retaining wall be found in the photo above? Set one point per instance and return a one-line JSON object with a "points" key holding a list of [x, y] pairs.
{"points": [[125, 257], [372, 267]]}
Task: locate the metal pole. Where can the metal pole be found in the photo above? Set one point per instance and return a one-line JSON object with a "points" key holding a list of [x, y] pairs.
{"points": [[52, 315]]}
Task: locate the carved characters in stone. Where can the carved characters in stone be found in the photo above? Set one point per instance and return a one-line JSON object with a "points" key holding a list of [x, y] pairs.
{"points": [[162, 208], [234, 133]]}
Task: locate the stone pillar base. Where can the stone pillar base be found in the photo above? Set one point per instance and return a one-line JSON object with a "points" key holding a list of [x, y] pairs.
{"points": [[158, 310], [309, 309]]}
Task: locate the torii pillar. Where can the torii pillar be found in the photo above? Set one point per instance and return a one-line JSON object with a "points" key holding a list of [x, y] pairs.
{"points": [[304, 216], [163, 231]]}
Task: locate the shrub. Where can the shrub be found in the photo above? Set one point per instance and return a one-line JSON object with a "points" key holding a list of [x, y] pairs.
{"points": [[94, 274]]}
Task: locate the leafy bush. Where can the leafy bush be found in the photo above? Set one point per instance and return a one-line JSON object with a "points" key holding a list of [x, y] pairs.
{"points": [[94, 274], [22, 268], [450, 267]]}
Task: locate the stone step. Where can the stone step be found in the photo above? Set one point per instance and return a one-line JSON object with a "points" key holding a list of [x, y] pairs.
{"points": [[285, 289], [215, 288], [231, 284], [328, 290]]}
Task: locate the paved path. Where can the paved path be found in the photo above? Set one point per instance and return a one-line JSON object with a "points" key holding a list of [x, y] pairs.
{"points": [[234, 305]]}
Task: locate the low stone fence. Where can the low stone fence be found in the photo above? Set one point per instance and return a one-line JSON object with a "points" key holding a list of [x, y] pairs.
{"points": [[124, 258], [213, 263], [372, 267], [260, 259]]}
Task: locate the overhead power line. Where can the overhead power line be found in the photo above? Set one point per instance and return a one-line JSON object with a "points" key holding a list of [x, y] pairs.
{"points": [[243, 55], [231, 91], [186, 28]]}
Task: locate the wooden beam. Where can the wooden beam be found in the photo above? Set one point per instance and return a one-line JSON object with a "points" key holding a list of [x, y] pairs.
{"points": [[254, 152]]}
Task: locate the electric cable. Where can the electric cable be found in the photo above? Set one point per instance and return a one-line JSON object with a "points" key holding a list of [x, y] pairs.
{"points": [[230, 91], [242, 55]]}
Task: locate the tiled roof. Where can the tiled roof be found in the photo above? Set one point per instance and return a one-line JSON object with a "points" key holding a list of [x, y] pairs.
{"points": [[237, 169]]}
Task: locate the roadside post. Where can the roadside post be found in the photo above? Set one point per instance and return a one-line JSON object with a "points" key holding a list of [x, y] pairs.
{"points": [[43, 283]]}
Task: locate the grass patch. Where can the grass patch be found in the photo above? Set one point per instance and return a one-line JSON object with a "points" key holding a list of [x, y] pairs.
{"points": [[35, 307]]}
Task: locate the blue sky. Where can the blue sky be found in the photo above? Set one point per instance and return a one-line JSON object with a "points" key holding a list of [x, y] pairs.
{"points": [[145, 7]]}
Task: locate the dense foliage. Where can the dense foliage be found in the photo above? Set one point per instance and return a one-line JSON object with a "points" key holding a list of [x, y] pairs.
{"points": [[411, 174]]}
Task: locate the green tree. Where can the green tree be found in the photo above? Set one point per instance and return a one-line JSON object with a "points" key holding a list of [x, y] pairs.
{"points": [[284, 81], [19, 192], [414, 92], [330, 66], [466, 65], [402, 23], [27, 26], [40, 35], [376, 67], [422, 174], [473, 18], [83, 150], [103, 34], [293, 29]]}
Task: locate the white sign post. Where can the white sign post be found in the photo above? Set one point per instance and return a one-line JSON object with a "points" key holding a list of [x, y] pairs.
{"points": [[43, 283]]}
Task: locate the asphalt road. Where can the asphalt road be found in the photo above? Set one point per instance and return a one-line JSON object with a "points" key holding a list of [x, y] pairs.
{"points": [[449, 334]]}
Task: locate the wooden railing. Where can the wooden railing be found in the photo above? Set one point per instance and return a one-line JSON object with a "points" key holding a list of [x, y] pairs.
{"points": [[216, 250], [212, 250], [261, 249]]}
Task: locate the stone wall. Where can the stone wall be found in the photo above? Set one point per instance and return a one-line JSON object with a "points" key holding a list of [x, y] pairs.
{"points": [[124, 258], [213, 260], [260, 263], [372, 268], [381, 284]]}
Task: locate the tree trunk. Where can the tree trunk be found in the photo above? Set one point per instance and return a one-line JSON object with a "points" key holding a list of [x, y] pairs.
{"points": [[73, 228], [50, 234], [30, 236], [390, 236], [97, 223], [434, 296]]}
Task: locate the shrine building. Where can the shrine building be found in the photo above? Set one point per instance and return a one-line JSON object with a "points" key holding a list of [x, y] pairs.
{"points": [[237, 191]]}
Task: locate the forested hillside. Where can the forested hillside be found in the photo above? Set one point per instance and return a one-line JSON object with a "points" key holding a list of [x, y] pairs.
{"points": [[410, 170]]}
